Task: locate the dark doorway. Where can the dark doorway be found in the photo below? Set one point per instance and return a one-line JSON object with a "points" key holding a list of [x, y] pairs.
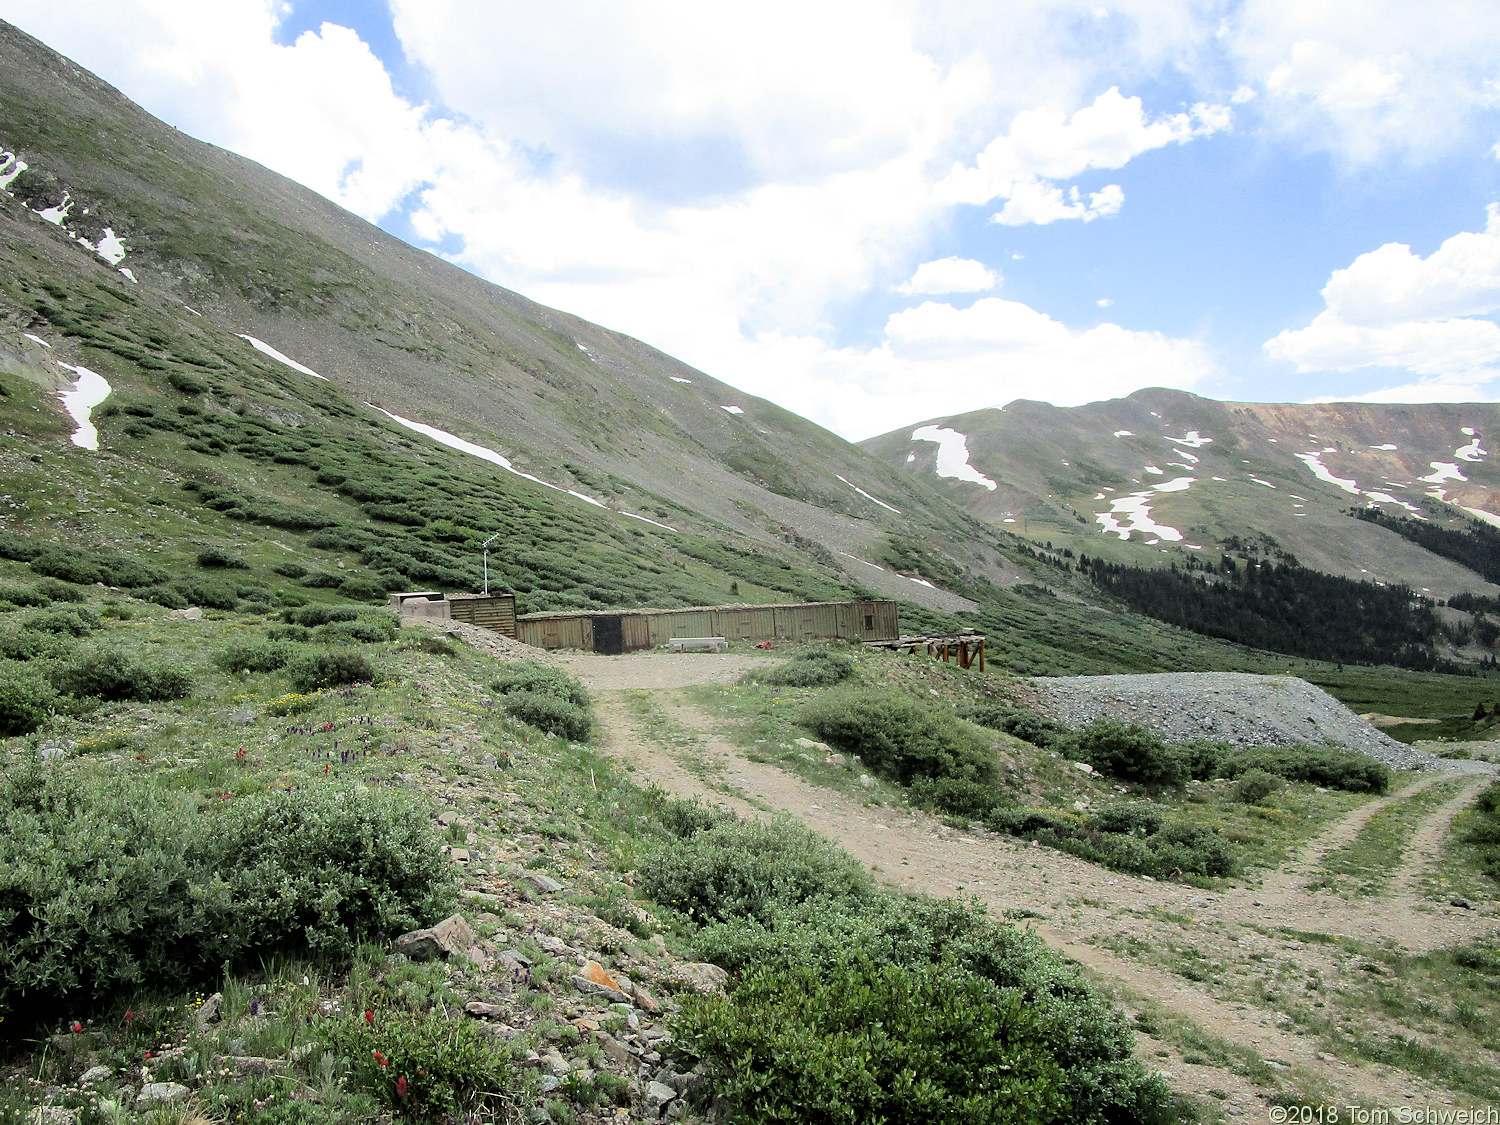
{"points": [[609, 636]]}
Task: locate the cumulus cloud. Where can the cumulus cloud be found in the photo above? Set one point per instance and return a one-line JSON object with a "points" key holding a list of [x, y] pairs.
{"points": [[936, 359], [1400, 79], [950, 275], [1393, 308], [1044, 146]]}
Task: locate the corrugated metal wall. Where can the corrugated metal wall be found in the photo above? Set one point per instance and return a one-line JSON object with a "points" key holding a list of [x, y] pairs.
{"points": [[496, 612], [852, 621]]}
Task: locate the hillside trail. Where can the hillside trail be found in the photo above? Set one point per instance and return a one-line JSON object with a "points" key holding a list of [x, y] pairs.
{"points": [[1098, 917]]}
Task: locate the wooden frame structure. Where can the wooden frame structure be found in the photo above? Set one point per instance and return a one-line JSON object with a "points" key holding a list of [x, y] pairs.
{"points": [[967, 649]]}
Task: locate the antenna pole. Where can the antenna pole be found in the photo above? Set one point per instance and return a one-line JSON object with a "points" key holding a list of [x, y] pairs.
{"points": [[486, 550]]}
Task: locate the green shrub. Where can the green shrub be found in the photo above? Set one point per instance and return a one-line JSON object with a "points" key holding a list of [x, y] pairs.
{"points": [[371, 628], [550, 713], [1021, 722], [861, 1042], [75, 621], [1329, 766], [18, 548], [322, 580], [1254, 786], [217, 557], [1130, 818], [164, 596], [684, 818], [960, 796], [209, 595], [813, 668], [23, 595], [113, 675], [1082, 1032], [362, 590], [329, 668], [314, 615], [424, 1066], [1480, 829], [253, 656], [900, 736], [1131, 752], [747, 869], [29, 644], [26, 700], [59, 591], [68, 565], [130, 573], [540, 679], [117, 886], [289, 570]]}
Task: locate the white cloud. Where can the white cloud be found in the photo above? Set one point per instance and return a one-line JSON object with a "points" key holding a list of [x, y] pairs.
{"points": [[950, 275], [1393, 78], [1104, 302], [936, 360], [1392, 308], [1039, 202], [1044, 146]]}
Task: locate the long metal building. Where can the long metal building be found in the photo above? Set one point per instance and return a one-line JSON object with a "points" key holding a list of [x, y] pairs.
{"points": [[635, 629]]}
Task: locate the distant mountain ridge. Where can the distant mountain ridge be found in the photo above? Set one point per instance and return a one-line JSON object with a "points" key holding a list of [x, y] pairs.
{"points": [[1169, 473]]}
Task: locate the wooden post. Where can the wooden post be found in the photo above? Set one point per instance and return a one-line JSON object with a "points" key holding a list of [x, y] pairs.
{"points": [[963, 654], [981, 655]]}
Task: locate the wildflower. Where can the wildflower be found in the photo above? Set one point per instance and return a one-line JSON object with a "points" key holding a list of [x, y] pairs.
{"points": [[77, 1027], [401, 1087], [129, 1015], [369, 1016], [255, 1007]]}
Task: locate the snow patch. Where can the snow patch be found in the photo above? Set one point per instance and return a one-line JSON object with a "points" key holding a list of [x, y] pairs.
{"points": [[89, 390], [643, 519], [1441, 471], [58, 212], [920, 582], [732, 409], [1267, 483], [675, 379], [867, 496], [910, 457], [10, 168], [1387, 446], [1193, 439], [1467, 431], [36, 339], [1488, 517], [1123, 433], [110, 248], [129, 276], [262, 346], [861, 561], [1154, 471], [953, 455], [1314, 462], [1387, 498], [1470, 452], [1136, 510]]}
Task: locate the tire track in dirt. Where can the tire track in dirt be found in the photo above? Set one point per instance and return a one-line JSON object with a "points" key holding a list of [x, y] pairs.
{"points": [[1427, 843], [915, 852]]}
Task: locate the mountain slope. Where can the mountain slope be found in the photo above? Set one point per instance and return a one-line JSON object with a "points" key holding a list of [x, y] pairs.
{"points": [[1164, 474]]}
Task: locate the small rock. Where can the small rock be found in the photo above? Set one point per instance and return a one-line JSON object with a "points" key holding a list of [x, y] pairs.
{"points": [[658, 1094], [551, 943], [1084, 766], [701, 976], [480, 898], [555, 1063], [480, 1010], [537, 881], [192, 613], [549, 1083], [615, 1051], [242, 718], [644, 1000], [449, 938], [836, 760], [458, 855], [447, 817], [52, 1115], [160, 1093], [593, 978], [211, 1009], [866, 781], [253, 1066], [94, 1075], [1460, 902]]}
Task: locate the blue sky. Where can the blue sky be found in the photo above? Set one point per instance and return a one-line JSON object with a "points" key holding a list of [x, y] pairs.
{"points": [[880, 213]]}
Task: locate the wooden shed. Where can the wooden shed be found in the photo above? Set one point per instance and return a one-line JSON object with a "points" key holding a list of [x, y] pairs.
{"points": [[496, 612], [637, 629]]}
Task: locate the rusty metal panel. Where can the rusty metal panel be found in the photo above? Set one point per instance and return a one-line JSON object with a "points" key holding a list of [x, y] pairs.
{"points": [[637, 631], [746, 623], [544, 631], [691, 623], [496, 612]]}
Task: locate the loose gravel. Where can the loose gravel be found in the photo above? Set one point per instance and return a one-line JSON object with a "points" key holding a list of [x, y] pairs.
{"points": [[1234, 707]]}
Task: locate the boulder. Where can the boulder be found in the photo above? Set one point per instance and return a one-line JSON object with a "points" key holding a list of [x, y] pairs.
{"points": [[155, 1094], [536, 881], [95, 1075], [594, 978], [658, 1094], [701, 976], [211, 1009], [449, 938]]}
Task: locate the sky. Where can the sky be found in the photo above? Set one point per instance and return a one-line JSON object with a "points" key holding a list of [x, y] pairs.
{"points": [[878, 213]]}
